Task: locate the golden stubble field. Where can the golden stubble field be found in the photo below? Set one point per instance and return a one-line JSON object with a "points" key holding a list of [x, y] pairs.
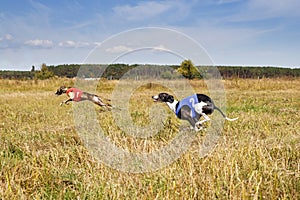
{"points": [[257, 157]]}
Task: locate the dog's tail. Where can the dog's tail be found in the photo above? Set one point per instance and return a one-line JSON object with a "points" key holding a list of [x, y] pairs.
{"points": [[105, 99], [117, 108], [227, 118]]}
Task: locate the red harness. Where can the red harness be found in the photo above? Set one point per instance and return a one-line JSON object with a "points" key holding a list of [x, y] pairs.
{"points": [[74, 94]]}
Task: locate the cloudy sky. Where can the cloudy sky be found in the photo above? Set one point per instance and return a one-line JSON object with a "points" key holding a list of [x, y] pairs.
{"points": [[233, 32]]}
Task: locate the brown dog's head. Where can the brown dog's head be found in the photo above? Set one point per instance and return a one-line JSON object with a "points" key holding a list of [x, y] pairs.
{"points": [[61, 90]]}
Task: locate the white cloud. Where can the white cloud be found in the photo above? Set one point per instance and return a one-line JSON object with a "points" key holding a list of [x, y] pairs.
{"points": [[260, 10], [73, 44], [97, 44], [160, 48], [83, 44], [8, 37], [275, 6], [39, 43], [141, 11], [118, 49], [68, 43], [220, 2], [148, 10]]}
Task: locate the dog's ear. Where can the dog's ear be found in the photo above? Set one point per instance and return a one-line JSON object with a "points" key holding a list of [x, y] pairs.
{"points": [[170, 99], [63, 88]]}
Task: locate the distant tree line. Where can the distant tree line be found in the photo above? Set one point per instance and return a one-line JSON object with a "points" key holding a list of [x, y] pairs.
{"points": [[117, 71], [16, 75], [258, 72]]}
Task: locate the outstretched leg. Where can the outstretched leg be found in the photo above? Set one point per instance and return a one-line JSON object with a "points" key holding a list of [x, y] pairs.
{"points": [[97, 100], [206, 118], [65, 102]]}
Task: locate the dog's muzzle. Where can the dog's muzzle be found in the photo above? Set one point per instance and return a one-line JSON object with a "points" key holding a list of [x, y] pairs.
{"points": [[155, 98], [57, 93]]}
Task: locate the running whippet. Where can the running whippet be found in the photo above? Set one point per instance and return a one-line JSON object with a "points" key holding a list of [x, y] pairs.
{"points": [[77, 95], [191, 108]]}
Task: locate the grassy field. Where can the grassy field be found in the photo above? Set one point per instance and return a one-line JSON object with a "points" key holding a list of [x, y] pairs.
{"points": [[257, 157]]}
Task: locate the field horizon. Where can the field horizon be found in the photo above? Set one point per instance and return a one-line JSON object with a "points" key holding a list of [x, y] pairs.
{"points": [[42, 156]]}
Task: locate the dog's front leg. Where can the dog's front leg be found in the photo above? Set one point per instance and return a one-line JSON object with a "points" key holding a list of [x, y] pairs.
{"points": [[66, 102], [198, 127]]}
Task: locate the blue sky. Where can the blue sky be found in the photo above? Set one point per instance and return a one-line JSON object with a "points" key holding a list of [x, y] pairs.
{"points": [[233, 32]]}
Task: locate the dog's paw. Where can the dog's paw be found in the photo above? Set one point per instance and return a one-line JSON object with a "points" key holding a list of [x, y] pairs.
{"points": [[199, 123], [198, 128], [62, 103]]}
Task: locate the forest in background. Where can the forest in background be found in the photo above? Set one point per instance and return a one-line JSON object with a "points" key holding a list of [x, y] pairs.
{"points": [[116, 71]]}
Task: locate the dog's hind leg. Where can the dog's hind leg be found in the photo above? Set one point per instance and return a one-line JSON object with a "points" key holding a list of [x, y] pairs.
{"points": [[206, 118], [97, 100], [194, 124]]}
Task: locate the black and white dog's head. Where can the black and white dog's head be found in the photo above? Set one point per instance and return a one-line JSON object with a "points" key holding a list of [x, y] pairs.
{"points": [[163, 97], [61, 90]]}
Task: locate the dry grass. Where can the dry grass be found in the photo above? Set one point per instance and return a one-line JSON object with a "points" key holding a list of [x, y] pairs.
{"points": [[257, 157]]}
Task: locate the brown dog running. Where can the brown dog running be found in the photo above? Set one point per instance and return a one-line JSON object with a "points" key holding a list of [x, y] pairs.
{"points": [[77, 95]]}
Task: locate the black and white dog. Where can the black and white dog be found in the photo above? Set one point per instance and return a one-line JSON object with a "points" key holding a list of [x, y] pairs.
{"points": [[191, 108], [76, 94]]}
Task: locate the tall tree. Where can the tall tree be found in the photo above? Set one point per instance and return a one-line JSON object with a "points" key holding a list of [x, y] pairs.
{"points": [[44, 73], [187, 69]]}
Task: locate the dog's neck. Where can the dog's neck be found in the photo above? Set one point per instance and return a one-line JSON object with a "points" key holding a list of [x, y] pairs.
{"points": [[172, 105]]}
